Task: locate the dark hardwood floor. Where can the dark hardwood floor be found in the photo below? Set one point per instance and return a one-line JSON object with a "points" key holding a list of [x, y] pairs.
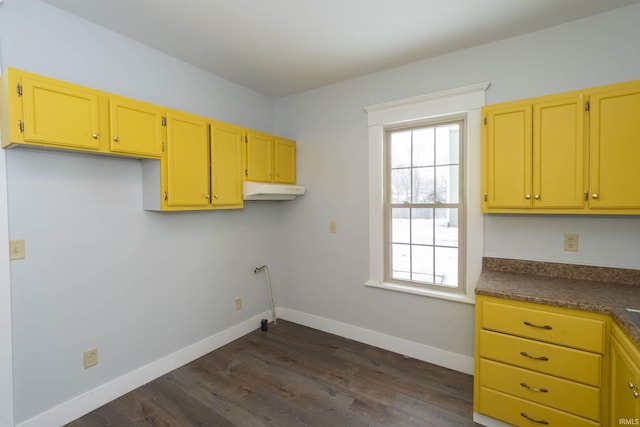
{"points": [[292, 375]]}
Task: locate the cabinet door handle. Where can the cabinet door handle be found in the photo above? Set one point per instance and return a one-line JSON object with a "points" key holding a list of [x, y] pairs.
{"points": [[206, 196], [95, 136], [524, 415], [537, 197], [634, 389], [543, 358], [215, 196], [537, 390], [527, 196], [533, 325], [595, 196], [116, 139]]}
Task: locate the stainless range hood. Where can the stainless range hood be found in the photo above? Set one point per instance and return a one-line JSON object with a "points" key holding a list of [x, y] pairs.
{"points": [[266, 191]]}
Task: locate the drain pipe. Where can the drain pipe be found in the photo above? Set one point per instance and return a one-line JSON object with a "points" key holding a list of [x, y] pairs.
{"points": [[266, 272]]}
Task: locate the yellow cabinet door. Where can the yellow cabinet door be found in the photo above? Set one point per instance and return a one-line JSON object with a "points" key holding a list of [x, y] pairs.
{"points": [[187, 160], [625, 384], [58, 113], [507, 156], [615, 148], [285, 161], [226, 165], [136, 127], [259, 157], [558, 154]]}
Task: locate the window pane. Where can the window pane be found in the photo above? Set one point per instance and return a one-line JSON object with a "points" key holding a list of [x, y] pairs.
{"points": [[401, 185], [401, 262], [447, 184], [422, 264], [423, 148], [447, 145], [447, 266], [400, 149], [423, 185], [446, 227], [422, 226], [400, 227], [424, 177]]}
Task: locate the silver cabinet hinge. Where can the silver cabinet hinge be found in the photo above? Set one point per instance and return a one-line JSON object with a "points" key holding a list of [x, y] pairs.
{"points": [[587, 106], [20, 126], [19, 89], [164, 121], [246, 172], [485, 121], [163, 146], [246, 139], [166, 195]]}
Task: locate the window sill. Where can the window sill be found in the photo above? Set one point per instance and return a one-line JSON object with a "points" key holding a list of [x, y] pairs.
{"points": [[431, 293]]}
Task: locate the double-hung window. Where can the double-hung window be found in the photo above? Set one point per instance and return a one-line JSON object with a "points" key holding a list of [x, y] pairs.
{"points": [[424, 214], [425, 223]]}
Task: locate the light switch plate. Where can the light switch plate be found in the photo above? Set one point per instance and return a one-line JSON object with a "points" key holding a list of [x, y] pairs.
{"points": [[16, 249]]}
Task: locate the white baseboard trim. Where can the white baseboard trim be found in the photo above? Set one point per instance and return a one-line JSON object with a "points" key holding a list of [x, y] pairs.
{"points": [[93, 399], [447, 359], [488, 421]]}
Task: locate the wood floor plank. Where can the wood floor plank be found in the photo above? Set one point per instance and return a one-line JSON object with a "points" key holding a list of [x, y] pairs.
{"points": [[292, 375]]}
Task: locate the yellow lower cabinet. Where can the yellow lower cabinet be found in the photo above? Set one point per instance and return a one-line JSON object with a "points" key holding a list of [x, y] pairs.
{"points": [[563, 362], [522, 412], [575, 398], [537, 364], [625, 380]]}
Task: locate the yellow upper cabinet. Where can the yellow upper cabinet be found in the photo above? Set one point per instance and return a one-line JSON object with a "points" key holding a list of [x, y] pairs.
{"points": [[558, 153], [259, 156], [285, 161], [226, 165], [270, 158], [202, 169], [507, 155], [615, 148], [136, 127], [47, 112], [529, 148], [569, 153], [187, 161]]}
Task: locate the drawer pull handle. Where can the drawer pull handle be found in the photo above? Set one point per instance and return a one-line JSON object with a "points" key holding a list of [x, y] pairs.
{"points": [[538, 390], [525, 354], [533, 325], [522, 414]]}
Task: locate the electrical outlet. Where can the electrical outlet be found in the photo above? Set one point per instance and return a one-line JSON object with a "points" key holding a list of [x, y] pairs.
{"points": [[16, 249], [238, 303], [571, 242], [90, 358]]}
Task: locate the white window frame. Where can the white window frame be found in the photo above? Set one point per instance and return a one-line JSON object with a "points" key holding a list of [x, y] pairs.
{"points": [[466, 101]]}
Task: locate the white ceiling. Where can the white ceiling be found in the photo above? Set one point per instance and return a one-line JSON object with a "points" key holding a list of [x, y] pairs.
{"points": [[280, 47]]}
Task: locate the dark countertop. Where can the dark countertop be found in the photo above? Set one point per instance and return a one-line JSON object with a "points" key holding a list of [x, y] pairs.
{"points": [[595, 289]]}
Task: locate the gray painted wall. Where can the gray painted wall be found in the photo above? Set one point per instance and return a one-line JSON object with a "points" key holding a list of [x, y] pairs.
{"points": [[102, 272]]}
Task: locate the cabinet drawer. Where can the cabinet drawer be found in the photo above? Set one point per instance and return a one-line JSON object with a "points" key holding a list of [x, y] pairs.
{"points": [[520, 412], [549, 326], [578, 399], [568, 363]]}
